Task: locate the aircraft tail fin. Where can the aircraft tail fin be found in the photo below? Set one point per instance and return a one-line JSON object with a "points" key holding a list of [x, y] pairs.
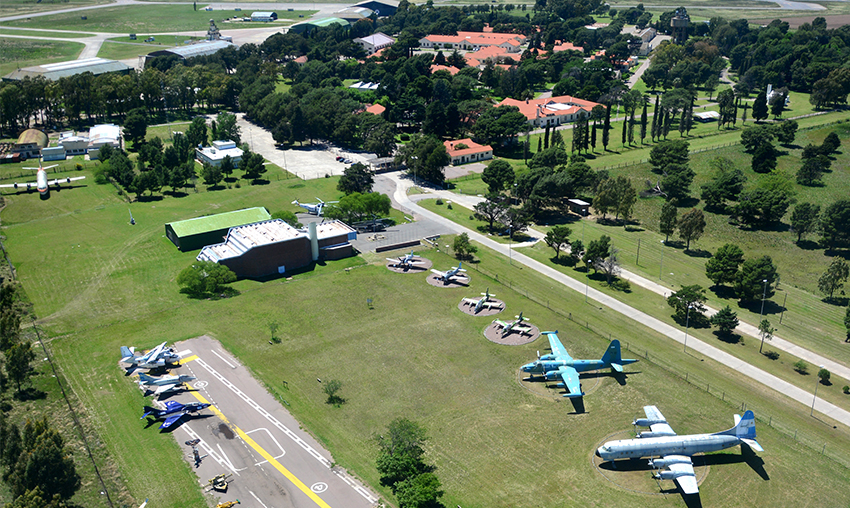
{"points": [[613, 358], [745, 430], [126, 354], [148, 411], [145, 377]]}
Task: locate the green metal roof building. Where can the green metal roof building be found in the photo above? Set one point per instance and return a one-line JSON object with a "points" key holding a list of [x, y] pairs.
{"points": [[307, 26], [193, 234]]}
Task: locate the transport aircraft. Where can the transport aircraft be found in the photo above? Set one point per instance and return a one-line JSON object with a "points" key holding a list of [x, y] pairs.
{"points": [[560, 365], [481, 303], [41, 183], [674, 451], [449, 275]]}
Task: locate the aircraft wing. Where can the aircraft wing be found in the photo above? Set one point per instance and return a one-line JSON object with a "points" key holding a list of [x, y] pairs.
{"points": [[165, 388], [438, 272], [65, 180], [653, 413], [558, 348], [687, 480], [571, 381], [490, 305], [171, 420], [13, 185], [172, 405]]}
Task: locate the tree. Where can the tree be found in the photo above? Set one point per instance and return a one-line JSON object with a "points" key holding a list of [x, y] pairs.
{"points": [[811, 172], [786, 132], [357, 207], [756, 136], [227, 127], [252, 165], [766, 203], [498, 175], [801, 367], [606, 128], [211, 174], [420, 491], [491, 209], [287, 217], [760, 106], [727, 185], [764, 158], [44, 463], [778, 105], [196, 134], [355, 178], [677, 180], [557, 237], [18, 359], [135, 127], [847, 323], [668, 152], [596, 251], [823, 376], [667, 222], [401, 450], [516, 221], [726, 320], [274, 326], [331, 388], [205, 277], [722, 268], [750, 284], [830, 143], [692, 297], [610, 266], [463, 247], [834, 277], [691, 226], [425, 157], [765, 332], [835, 224]]}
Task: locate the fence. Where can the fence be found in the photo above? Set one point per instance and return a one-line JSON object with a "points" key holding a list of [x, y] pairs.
{"points": [[742, 405]]}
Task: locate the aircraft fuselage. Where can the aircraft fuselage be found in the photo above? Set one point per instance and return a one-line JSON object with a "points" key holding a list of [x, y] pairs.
{"points": [[41, 182], [664, 446]]}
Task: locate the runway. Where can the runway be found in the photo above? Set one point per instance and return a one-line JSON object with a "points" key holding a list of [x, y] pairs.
{"points": [[248, 434]]}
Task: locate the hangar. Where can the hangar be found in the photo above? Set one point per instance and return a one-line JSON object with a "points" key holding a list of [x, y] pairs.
{"points": [[264, 16], [196, 233], [30, 143], [306, 26], [380, 7], [274, 247], [192, 50], [58, 70]]}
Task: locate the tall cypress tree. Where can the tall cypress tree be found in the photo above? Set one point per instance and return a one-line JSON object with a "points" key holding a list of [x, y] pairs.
{"points": [[643, 118], [734, 111], [632, 127], [546, 138], [606, 128], [593, 136], [656, 119], [665, 125], [625, 128], [760, 106]]}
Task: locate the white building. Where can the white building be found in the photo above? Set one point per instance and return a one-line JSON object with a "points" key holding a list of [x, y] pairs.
{"points": [[213, 155], [374, 42], [104, 134], [263, 16], [73, 144]]}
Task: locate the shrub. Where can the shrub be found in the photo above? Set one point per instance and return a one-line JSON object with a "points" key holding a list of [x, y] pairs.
{"points": [[846, 389], [439, 201], [449, 206], [801, 367], [404, 137], [773, 355]]}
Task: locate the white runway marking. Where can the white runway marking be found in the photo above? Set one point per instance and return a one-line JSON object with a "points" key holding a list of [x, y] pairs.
{"points": [[223, 359], [282, 451], [184, 353], [227, 461], [209, 451], [258, 499]]}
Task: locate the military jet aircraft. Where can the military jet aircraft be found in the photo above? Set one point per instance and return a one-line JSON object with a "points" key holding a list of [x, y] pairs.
{"points": [[450, 275], [41, 183], [509, 327], [157, 357], [676, 451], [164, 384], [314, 208], [173, 412], [481, 303], [560, 365], [406, 261]]}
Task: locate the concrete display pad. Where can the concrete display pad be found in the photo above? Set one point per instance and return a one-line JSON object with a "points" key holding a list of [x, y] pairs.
{"points": [[434, 280], [469, 308], [635, 475], [493, 332], [420, 267]]}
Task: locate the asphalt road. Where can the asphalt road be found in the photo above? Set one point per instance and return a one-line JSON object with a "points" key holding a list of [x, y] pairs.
{"points": [[250, 435]]}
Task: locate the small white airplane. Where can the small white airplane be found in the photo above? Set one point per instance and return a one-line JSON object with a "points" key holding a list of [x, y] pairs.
{"points": [[314, 208], [153, 359], [447, 277], [164, 384], [481, 303], [514, 326], [406, 261], [41, 183]]}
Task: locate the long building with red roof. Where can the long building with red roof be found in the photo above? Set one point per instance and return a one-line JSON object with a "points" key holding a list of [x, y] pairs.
{"points": [[472, 41], [551, 111], [462, 151]]}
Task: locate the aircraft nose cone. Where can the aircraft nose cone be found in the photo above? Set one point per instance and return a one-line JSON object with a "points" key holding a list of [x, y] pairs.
{"points": [[598, 454]]}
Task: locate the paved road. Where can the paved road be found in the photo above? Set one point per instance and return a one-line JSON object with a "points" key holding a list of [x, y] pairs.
{"points": [[756, 374], [249, 434]]}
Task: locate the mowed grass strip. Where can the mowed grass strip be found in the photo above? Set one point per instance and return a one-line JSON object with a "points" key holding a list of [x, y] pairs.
{"points": [[98, 283], [17, 53], [14, 7], [37, 34]]}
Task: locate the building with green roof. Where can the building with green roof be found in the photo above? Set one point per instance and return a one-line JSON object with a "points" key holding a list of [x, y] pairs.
{"points": [[306, 26], [193, 234]]}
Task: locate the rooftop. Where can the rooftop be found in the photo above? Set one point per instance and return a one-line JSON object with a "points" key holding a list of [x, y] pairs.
{"points": [[471, 147], [31, 136], [219, 221], [58, 70]]}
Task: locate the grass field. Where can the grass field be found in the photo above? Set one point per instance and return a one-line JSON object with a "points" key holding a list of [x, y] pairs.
{"points": [[17, 53], [98, 283], [16, 7], [35, 34], [119, 51]]}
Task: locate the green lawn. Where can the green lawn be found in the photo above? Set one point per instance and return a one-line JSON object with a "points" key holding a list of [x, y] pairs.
{"points": [[37, 34], [18, 53], [120, 51], [17, 7]]}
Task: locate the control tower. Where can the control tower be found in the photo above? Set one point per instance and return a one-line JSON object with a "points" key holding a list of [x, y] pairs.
{"points": [[679, 26]]}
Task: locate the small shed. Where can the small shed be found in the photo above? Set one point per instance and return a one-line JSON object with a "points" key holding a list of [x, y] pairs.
{"points": [[578, 206], [193, 234]]}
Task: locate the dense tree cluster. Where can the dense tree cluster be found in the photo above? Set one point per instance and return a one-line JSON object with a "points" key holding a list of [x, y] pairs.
{"points": [[401, 464]]}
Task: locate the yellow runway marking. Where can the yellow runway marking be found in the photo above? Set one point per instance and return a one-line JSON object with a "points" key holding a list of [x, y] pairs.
{"points": [[266, 455], [188, 359]]}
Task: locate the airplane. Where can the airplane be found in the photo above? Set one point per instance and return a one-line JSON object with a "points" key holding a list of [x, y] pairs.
{"points": [[675, 452], [513, 326], [560, 365], [164, 384], [314, 208], [481, 303], [41, 183], [406, 261], [447, 276], [173, 412], [155, 358]]}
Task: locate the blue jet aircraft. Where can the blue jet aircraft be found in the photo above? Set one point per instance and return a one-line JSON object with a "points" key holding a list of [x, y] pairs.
{"points": [[560, 365], [173, 412]]}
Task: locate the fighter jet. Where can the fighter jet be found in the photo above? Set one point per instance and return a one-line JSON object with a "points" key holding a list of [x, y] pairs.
{"points": [[509, 327], [314, 208], [155, 358], [448, 276], [406, 261], [481, 303], [173, 412], [164, 384]]}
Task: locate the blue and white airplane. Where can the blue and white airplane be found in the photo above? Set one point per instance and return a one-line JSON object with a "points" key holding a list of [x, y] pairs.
{"points": [[157, 357], [173, 412], [456, 272], [163, 384], [482, 303], [314, 208], [407, 261], [675, 452], [560, 365]]}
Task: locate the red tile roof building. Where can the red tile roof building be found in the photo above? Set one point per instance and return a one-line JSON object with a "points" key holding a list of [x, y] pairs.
{"points": [[376, 109], [451, 69], [551, 111], [472, 153], [472, 41]]}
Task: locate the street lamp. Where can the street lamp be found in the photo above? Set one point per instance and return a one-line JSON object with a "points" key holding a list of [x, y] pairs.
{"points": [[763, 293], [817, 382], [510, 243], [687, 322], [661, 266]]}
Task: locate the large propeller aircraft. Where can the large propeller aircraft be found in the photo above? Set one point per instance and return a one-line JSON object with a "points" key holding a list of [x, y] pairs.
{"points": [[41, 183], [559, 365], [450, 275], [407, 261], [481, 303], [173, 412], [164, 384], [675, 451], [157, 357], [509, 327], [314, 208]]}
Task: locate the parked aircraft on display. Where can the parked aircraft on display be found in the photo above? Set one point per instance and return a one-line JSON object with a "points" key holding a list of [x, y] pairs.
{"points": [[676, 451], [314, 208], [164, 384], [481, 303], [157, 357], [447, 277], [41, 183], [513, 326], [406, 261], [173, 412], [560, 365]]}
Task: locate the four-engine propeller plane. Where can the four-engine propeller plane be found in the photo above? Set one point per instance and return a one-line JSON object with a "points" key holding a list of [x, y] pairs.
{"points": [[173, 412], [41, 183], [509, 327], [164, 384], [314, 208], [482, 303], [449, 276], [675, 451], [560, 365], [157, 357], [407, 261]]}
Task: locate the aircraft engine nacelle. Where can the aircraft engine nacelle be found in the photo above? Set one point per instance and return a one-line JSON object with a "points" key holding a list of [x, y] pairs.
{"points": [[548, 357], [672, 475], [68, 180], [16, 185], [668, 461], [552, 375], [647, 422], [655, 434], [160, 362]]}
